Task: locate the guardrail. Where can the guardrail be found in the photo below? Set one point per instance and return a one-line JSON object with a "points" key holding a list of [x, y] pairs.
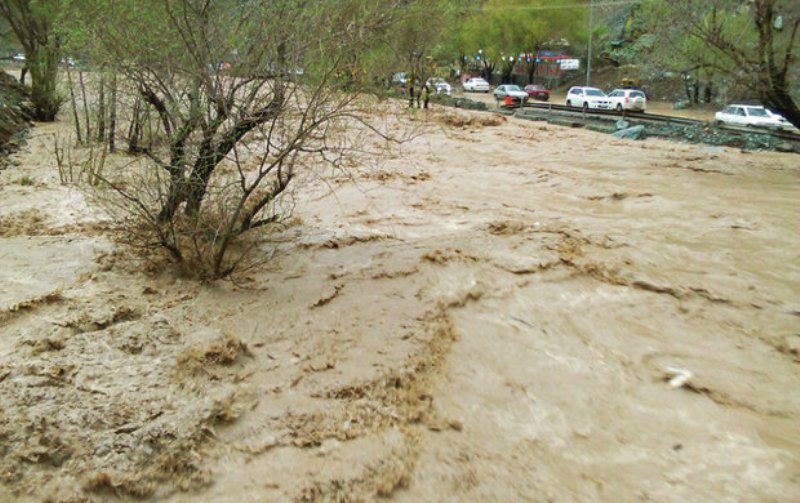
{"points": [[607, 115]]}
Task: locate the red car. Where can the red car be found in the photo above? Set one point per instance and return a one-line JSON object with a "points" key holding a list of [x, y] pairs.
{"points": [[537, 92]]}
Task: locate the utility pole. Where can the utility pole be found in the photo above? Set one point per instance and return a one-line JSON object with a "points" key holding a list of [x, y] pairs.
{"points": [[589, 56]]}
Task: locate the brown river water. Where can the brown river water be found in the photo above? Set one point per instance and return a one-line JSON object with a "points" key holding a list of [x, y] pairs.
{"points": [[499, 311]]}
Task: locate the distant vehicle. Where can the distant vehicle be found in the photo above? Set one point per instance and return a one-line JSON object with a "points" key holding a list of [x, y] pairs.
{"points": [[537, 92], [751, 115], [510, 94], [19, 57], [785, 124], [587, 97], [627, 76], [400, 78], [627, 99], [440, 85], [477, 84], [224, 66]]}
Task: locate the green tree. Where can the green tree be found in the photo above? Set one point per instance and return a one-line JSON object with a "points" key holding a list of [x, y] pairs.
{"points": [[504, 29], [481, 36], [33, 23], [753, 44], [418, 46]]}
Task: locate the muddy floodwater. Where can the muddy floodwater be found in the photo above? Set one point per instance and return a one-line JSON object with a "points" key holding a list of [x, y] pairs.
{"points": [[497, 311]]}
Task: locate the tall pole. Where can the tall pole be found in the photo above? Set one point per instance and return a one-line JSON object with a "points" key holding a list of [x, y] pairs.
{"points": [[589, 56]]}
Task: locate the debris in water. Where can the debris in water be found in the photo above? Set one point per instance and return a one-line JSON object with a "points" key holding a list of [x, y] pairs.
{"points": [[677, 377]]}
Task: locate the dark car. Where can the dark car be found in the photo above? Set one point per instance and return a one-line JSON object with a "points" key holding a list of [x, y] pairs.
{"points": [[537, 92]]}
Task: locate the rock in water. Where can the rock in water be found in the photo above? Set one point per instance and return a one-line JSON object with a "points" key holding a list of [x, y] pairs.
{"points": [[631, 133]]}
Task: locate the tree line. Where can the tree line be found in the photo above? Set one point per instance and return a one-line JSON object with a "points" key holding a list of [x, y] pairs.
{"points": [[750, 47], [709, 43]]}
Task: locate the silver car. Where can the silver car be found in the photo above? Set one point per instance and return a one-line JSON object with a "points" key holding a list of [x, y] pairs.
{"points": [[510, 94]]}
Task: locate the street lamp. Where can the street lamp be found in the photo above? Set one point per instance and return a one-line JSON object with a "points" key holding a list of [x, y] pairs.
{"points": [[589, 56]]}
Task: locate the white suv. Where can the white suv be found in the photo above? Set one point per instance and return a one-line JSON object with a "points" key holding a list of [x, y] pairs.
{"points": [[476, 84], [627, 99], [439, 85], [587, 97]]}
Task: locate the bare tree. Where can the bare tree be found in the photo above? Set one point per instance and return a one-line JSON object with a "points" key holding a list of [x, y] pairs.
{"points": [[245, 94]]}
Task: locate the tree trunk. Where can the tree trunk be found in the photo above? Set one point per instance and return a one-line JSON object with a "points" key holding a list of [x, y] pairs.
{"points": [[175, 196], [149, 129], [532, 71], [74, 106], [112, 120], [211, 153], [508, 70], [488, 71], [135, 130], [43, 67], [708, 92], [462, 63], [773, 86], [101, 109], [85, 106], [198, 182], [687, 87], [781, 102], [177, 183]]}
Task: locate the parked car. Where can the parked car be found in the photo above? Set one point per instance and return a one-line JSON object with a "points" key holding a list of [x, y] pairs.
{"points": [[19, 57], [439, 85], [537, 92], [627, 99], [785, 124], [587, 97], [399, 78], [274, 70], [510, 94], [476, 84], [750, 115]]}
